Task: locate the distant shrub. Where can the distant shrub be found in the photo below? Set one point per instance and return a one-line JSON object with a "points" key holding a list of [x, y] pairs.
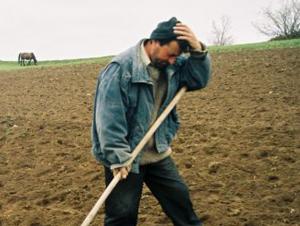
{"points": [[283, 23]]}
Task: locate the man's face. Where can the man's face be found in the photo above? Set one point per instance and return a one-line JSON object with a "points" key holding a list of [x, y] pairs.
{"points": [[163, 56]]}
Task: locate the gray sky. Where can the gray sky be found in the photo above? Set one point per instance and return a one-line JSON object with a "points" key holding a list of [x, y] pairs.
{"points": [[66, 29]]}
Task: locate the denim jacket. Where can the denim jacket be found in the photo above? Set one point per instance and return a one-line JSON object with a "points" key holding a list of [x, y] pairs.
{"points": [[124, 102]]}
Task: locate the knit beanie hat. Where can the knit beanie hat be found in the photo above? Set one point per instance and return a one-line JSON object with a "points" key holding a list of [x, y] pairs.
{"points": [[164, 30]]}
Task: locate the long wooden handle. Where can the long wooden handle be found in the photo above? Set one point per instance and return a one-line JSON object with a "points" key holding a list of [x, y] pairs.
{"points": [[134, 154], [156, 124]]}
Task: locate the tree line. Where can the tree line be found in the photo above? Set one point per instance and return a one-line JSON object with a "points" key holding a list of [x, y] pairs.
{"points": [[279, 24]]}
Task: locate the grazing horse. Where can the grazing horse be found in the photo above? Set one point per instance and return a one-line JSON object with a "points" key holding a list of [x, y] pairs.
{"points": [[26, 56]]}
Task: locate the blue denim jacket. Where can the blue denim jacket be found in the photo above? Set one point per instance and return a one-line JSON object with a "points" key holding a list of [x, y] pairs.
{"points": [[124, 102]]}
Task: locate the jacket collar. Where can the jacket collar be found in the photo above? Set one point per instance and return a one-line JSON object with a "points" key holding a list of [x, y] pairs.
{"points": [[139, 68]]}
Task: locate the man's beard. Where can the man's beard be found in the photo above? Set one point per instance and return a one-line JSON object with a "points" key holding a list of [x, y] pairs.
{"points": [[159, 64]]}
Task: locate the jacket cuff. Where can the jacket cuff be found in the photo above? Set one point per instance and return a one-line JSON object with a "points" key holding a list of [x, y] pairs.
{"points": [[135, 166], [114, 166], [118, 165], [199, 53]]}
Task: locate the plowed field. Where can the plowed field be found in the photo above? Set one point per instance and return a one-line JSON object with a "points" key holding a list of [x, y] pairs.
{"points": [[238, 147]]}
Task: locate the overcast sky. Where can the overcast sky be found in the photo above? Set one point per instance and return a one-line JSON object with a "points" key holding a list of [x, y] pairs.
{"points": [[66, 29]]}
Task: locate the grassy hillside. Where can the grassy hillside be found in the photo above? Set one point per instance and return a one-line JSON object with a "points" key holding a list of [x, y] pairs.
{"points": [[295, 43], [13, 65]]}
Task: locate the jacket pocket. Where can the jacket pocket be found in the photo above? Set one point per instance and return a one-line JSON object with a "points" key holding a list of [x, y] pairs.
{"points": [[173, 125]]}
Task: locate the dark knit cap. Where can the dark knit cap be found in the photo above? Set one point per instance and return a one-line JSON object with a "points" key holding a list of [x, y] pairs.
{"points": [[164, 30]]}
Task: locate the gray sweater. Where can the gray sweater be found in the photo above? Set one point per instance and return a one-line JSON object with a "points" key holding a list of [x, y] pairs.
{"points": [[160, 86]]}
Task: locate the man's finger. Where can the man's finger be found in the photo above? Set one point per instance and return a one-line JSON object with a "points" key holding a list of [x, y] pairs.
{"points": [[184, 33], [182, 28], [128, 168], [124, 173], [115, 172]]}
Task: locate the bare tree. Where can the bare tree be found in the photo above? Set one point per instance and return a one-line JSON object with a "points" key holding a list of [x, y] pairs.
{"points": [[220, 34], [283, 23]]}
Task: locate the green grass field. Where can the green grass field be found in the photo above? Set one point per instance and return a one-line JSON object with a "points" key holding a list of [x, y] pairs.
{"points": [[294, 43], [13, 65]]}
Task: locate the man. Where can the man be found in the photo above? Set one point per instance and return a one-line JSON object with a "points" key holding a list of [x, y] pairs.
{"points": [[134, 89]]}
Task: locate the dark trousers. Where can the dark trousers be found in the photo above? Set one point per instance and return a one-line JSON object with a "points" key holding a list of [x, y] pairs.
{"points": [[162, 178]]}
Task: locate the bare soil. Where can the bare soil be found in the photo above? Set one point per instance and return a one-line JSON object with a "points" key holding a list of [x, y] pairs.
{"points": [[238, 147]]}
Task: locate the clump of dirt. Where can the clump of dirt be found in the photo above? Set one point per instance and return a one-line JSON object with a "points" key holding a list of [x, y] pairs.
{"points": [[237, 149]]}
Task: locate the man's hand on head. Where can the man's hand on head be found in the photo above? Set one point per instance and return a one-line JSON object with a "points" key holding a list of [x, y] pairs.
{"points": [[185, 33]]}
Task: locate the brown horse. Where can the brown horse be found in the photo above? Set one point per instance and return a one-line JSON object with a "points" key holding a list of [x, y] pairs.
{"points": [[26, 56]]}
